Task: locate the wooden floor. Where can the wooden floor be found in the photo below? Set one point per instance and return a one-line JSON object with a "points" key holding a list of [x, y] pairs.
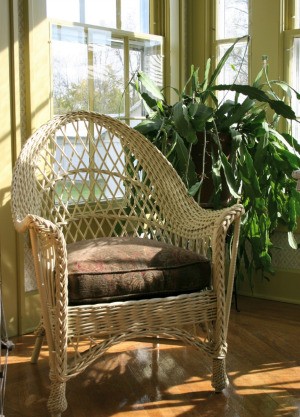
{"points": [[136, 380]]}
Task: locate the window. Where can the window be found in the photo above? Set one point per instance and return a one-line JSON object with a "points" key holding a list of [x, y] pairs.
{"points": [[96, 49], [95, 57]]}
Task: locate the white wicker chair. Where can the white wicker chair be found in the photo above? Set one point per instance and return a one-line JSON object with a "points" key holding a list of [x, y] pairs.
{"points": [[85, 177]]}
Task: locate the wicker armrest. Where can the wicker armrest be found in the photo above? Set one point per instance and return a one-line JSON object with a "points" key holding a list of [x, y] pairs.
{"points": [[32, 221], [195, 222]]}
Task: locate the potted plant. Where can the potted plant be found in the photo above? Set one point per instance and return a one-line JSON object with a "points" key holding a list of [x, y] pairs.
{"points": [[237, 146]]}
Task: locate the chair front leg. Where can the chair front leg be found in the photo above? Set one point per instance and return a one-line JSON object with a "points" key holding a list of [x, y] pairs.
{"points": [[219, 377], [57, 402]]}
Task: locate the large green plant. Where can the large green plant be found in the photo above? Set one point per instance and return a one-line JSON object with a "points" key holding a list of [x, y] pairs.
{"points": [[258, 171]]}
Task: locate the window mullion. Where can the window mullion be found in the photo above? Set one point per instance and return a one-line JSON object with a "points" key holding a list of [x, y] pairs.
{"points": [[118, 14], [126, 79], [90, 74], [91, 89]]}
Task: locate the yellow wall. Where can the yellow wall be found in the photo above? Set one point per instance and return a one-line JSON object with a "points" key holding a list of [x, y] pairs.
{"points": [[24, 105], [283, 286], [266, 36], [7, 235], [199, 33]]}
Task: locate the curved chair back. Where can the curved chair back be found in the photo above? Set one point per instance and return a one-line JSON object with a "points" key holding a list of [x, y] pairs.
{"points": [[95, 176]]}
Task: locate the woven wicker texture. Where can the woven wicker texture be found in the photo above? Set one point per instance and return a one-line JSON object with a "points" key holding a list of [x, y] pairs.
{"points": [[84, 176]]}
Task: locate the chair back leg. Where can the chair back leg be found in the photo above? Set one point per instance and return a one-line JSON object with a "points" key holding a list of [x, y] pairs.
{"points": [[40, 335]]}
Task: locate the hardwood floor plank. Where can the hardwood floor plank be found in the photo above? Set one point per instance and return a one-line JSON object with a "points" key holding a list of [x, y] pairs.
{"points": [[144, 380]]}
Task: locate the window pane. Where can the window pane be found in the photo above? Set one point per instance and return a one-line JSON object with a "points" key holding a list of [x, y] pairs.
{"points": [[235, 69], [144, 55], [296, 85], [135, 15], [296, 69], [232, 18], [88, 70], [100, 13], [106, 72], [69, 69], [67, 10], [93, 12]]}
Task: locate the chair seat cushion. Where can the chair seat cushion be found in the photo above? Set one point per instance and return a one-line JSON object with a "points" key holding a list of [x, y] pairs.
{"points": [[119, 269]]}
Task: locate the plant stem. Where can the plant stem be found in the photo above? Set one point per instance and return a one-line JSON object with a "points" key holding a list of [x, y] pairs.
{"points": [[203, 166], [187, 166], [265, 60], [159, 132]]}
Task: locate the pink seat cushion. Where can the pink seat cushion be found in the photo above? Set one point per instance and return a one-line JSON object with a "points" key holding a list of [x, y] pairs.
{"points": [[118, 269]]}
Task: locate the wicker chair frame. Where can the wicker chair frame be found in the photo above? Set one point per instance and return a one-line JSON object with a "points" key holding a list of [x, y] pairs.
{"points": [[84, 175]]}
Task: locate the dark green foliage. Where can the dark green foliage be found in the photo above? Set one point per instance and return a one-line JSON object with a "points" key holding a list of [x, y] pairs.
{"points": [[258, 170]]}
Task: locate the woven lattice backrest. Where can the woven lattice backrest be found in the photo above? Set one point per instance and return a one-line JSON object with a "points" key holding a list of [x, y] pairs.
{"points": [[95, 176]]}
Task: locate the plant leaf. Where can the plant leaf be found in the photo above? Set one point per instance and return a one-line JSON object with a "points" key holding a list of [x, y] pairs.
{"points": [[189, 80], [195, 80], [250, 177], [182, 122], [184, 160], [201, 115], [288, 89], [291, 141], [151, 102], [292, 241], [150, 86], [258, 78], [233, 188], [206, 74], [148, 126], [239, 112], [254, 93], [194, 189]]}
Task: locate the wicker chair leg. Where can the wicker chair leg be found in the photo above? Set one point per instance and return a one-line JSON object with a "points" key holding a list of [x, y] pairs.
{"points": [[37, 347], [57, 402], [219, 378]]}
